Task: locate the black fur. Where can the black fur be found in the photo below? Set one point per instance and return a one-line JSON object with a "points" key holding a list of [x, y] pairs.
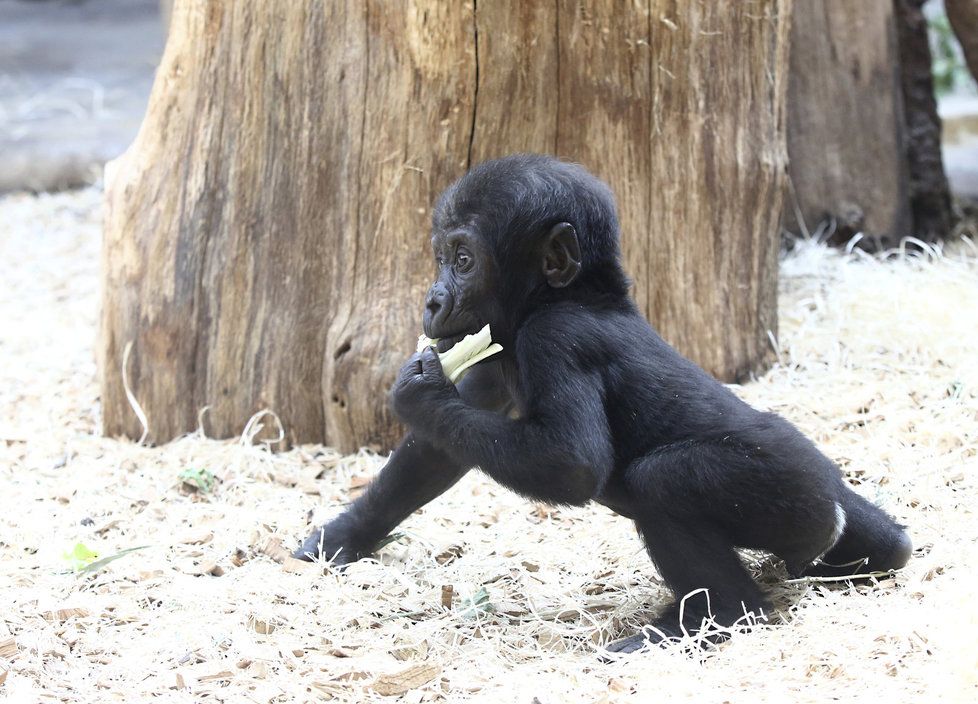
{"points": [[605, 410]]}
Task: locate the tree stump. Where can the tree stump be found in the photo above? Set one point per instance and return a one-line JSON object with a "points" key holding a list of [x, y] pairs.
{"points": [[845, 121], [265, 235], [863, 133], [930, 195]]}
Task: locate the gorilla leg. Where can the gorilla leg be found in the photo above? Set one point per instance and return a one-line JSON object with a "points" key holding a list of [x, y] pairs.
{"points": [[416, 473], [704, 573], [871, 542], [693, 552], [695, 502]]}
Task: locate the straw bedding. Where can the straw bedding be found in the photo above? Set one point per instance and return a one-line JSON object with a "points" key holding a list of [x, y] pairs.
{"points": [[483, 596]]}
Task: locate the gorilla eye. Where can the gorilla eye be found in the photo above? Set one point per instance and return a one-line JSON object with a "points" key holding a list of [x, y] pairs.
{"points": [[463, 262]]}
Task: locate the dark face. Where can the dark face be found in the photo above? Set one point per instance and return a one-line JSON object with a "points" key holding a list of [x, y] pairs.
{"points": [[461, 300], [505, 240]]}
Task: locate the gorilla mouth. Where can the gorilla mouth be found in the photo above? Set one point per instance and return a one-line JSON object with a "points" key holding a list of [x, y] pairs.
{"points": [[448, 342]]}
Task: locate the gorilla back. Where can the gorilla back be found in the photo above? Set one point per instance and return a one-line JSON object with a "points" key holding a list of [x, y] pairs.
{"points": [[588, 403]]}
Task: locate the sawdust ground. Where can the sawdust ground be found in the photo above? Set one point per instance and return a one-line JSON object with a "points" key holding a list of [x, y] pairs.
{"points": [[877, 364]]}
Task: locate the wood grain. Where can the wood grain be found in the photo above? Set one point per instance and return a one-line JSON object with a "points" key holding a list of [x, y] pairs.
{"points": [[930, 194], [266, 234], [846, 130]]}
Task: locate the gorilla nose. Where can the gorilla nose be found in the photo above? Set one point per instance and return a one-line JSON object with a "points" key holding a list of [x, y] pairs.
{"points": [[435, 300], [437, 306]]}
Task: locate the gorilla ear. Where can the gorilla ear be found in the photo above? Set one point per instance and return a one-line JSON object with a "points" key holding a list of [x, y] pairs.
{"points": [[561, 255]]}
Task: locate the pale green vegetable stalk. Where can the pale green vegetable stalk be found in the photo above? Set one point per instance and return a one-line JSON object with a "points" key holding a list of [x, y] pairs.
{"points": [[468, 351]]}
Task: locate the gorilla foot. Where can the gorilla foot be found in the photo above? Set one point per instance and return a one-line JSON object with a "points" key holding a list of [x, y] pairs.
{"points": [[655, 634], [328, 545], [705, 632], [635, 643]]}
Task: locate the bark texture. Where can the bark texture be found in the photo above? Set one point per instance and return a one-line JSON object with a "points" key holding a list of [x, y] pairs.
{"points": [[265, 235], [930, 195], [863, 131], [963, 16], [845, 121]]}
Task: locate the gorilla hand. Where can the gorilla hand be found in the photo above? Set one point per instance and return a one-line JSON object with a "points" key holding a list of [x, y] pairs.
{"points": [[422, 390], [336, 542]]}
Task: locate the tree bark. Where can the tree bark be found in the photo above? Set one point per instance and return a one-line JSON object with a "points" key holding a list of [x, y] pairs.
{"points": [[863, 131], [845, 122], [930, 195], [963, 16], [265, 237]]}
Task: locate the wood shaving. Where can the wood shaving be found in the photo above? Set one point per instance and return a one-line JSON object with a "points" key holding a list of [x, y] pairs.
{"points": [[876, 363]]}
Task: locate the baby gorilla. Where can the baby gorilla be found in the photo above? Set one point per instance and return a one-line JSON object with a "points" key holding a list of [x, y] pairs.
{"points": [[588, 403]]}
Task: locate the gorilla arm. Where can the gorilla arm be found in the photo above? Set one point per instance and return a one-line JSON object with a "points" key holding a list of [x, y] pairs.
{"points": [[416, 473], [559, 452]]}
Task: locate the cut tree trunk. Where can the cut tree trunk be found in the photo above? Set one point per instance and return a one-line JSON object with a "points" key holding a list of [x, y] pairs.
{"points": [[691, 138], [930, 195], [863, 132], [963, 16], [265, 235], [845, 122]]}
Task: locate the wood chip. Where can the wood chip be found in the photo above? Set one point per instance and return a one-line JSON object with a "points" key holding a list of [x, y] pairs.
{"points": [[61, 615], [261, 626], [208, 567], [199, 537], [207, 671], [309, 485], [415, 652], [449, 554], [358, 484], [273, 548], [107, 527], [8, 648], [359, 481], [405, 680], [189, 657], [3, 676], [447, 592], [291, 564], [285, 478]]}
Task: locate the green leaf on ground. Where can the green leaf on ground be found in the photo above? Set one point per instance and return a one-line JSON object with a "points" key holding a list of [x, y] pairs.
{"points": [[80, 556], [99, 564], [203, 480], [477, 605]]}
